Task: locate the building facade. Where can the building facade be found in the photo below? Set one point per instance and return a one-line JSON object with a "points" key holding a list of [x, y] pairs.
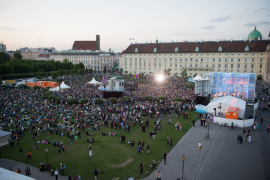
{"points": [[91, 60], [33, 53], [198, 57], [3, 47]]}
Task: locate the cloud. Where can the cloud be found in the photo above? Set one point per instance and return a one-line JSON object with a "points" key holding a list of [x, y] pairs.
{"points": [[248, 8], [260, 9], [209, 27], [268, 15], [260, 23], [220, 19]]}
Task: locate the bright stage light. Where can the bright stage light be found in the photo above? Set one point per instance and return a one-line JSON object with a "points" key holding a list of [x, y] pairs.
{"points": [[160, 78]]}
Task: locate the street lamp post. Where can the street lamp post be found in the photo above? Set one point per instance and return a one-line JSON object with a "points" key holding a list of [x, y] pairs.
{"points": [[47, 155], [183, 159]]}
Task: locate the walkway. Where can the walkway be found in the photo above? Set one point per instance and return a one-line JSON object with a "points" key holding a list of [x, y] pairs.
{"points": [[35, 172]]}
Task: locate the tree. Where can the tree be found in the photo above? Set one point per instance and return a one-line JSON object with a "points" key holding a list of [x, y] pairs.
{"points": [[90, 71], [54, 74], [121, 71], [81, 66], [126, 72], [4, 57], [65, 60], [167, 72], [184, 74], [104, 69], [39, 75], [95, 71], [60, 73], [17, 55]]}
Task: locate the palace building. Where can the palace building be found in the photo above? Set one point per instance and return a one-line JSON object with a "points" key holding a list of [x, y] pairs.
{"points": [[245, 56]]}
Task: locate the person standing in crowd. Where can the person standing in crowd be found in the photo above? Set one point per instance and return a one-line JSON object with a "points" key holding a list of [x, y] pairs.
{"points": [[139, 149], [90, 150], [27, 171], [141, 167], [148, 148], [21, 151], [200, 146], [56, 174], [96, 173], [164, 157], [193, 121], [62, 167], [28, 156]]}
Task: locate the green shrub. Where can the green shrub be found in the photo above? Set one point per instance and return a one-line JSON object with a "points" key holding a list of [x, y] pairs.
{"points": [[148, 98], [71, 101], [52, 97], [98, 101], [161, 98], [178, 99], [47, 94], [58, 99], [36, 87], [113, 100], [23, 86], [125, 98], [84, 101]]}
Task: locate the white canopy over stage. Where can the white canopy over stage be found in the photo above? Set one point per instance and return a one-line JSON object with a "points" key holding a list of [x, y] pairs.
{"points": [[94, 82]]}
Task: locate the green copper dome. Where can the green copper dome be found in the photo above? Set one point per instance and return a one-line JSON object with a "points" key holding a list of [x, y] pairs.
{"points": [[254, 35]]}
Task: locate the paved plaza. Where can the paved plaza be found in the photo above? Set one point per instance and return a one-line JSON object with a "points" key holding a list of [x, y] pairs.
{"points": [[221, 157]]}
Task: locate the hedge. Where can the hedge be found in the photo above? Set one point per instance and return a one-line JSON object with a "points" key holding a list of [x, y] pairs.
{"points": [[36, 87], [84, 101], [125, 98], [58, 99], [98, 101], [71, 101], [178, 99], [47, 94], [23, 86], [148, 98], [113, 100], [161, 98], [52, 97]]}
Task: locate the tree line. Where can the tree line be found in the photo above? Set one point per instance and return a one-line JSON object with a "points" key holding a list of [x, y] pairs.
{"points": [[16, 67]]}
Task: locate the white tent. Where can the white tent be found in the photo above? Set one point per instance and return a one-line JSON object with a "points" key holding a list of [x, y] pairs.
{"points": [[94, 82], [64, 86], [226, 102]]}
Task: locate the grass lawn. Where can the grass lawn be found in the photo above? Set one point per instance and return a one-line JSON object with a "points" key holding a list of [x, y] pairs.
{"points": [[109, 155]]}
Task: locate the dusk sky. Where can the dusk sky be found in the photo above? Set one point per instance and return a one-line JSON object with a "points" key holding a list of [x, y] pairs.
{"points": [[58, 23]]}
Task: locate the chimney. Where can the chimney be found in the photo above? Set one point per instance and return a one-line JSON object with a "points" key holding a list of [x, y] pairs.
{"points": [[97, 42]]}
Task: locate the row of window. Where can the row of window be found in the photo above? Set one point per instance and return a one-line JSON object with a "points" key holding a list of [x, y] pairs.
{"points": [[186, 54], [141, 70], [191, 59], [190, 65]]}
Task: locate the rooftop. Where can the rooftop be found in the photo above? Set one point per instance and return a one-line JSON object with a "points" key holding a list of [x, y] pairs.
{"points": [[202, 46]]}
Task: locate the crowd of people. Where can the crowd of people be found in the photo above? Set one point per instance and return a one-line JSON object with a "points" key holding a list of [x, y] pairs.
{"points": [[27, 111]]}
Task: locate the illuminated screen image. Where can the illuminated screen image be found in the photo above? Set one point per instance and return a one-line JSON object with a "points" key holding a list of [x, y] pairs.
{"points": [[240, 85]]}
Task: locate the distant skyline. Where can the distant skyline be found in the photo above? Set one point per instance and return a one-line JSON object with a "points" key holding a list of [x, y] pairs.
{"points": [[40, 23]]}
